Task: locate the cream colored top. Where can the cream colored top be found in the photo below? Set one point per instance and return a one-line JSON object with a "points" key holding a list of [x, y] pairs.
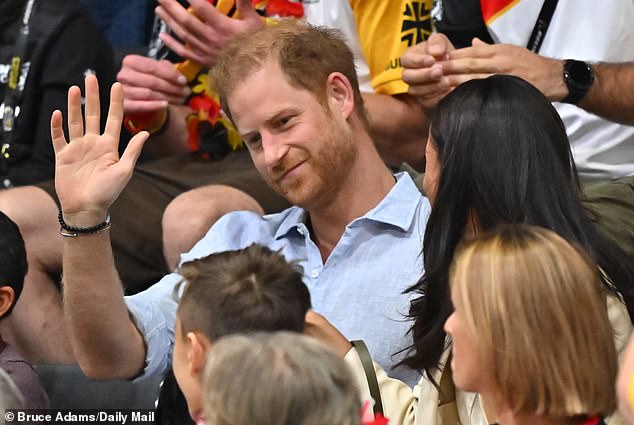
{"points": [[419, 406]]}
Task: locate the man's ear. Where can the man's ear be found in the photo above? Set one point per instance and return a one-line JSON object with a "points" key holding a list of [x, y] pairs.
{"points": [[199, 346], [6, 299], [340, 94]]}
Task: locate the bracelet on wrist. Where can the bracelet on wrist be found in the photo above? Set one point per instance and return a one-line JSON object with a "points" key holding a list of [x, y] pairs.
{"points": [[72, 232]]}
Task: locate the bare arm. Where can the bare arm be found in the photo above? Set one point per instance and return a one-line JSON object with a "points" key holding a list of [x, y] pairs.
{"points": [[399, 128], [320, 328], [431, 76], [611, 94], [89, 175], [434, 68], [106, 343]]}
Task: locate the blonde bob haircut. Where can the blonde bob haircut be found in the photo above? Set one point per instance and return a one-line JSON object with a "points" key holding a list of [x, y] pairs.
{"points": [[538, 311], [281, 378]]}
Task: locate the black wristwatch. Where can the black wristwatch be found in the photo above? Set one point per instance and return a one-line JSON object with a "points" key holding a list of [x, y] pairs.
{"points": [[578, 76]]}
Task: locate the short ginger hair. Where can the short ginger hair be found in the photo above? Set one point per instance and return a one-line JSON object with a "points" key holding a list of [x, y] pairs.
{"points": [[306, 54]]}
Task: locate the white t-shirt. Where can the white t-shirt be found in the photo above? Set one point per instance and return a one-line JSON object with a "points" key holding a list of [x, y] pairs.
{"points": [[338, 14], [591, 31]]}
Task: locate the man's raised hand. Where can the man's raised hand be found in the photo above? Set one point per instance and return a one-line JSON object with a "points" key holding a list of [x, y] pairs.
{"points": [[89, 175]]}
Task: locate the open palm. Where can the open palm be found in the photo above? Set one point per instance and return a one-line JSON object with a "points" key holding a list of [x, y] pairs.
{"points": [[89, 175]]}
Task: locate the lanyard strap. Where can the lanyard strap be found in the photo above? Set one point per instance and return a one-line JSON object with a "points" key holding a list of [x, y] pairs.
{"points": [[541, 26], [14, 89], [13, 94]]}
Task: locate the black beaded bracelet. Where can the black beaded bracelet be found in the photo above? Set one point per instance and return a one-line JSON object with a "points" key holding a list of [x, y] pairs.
{"points": [[73, 232]]}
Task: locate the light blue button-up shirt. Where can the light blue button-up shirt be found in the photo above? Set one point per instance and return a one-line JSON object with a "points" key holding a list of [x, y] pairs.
{"points": [[359, 288]]}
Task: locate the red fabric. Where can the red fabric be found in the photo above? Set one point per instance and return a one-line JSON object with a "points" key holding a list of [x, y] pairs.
{"points": [[284, 9], [379, 419], [592, 420], [492, 7]]}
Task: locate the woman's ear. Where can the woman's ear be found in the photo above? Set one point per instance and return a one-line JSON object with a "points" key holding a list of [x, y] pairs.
{"points": [[340, 94], [7, 295]]}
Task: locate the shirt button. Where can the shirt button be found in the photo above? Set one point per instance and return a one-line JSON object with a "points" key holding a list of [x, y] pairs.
{"points": [[315, 273]]}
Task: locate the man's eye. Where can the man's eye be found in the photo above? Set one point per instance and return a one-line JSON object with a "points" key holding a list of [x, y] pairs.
{"points": [[253, 141], [284, 121]]}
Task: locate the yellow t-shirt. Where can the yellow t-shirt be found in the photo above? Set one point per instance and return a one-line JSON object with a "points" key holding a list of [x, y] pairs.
{"points": [[386, 28]]}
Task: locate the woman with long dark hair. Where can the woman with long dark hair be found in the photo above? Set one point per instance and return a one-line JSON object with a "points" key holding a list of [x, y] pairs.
{"points": [[497, 154]]}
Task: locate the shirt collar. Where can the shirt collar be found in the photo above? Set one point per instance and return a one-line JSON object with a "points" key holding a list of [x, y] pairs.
{"points": [[294, 221], [398, 209]]}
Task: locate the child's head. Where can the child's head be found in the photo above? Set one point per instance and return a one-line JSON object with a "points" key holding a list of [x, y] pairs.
{"points": [[12, 264], [277, 379], [530, 327], [248, 290]]}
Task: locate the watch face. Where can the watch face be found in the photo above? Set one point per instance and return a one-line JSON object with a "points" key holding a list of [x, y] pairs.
{"points": [[578, 73]]}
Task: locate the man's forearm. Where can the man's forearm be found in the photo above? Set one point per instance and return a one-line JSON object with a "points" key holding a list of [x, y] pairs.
{"points": [[611, 94], [399, 128], [106, 342]]}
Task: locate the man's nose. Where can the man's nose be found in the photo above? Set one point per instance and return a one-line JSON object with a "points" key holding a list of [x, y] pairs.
{"points": [[274, 149]]}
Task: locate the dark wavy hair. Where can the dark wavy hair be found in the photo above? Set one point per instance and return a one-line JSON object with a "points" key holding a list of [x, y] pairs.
{"points": [[505, 158]]}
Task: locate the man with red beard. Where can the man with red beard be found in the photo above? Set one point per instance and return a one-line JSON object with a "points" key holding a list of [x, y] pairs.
{"points": [[356, 229]]}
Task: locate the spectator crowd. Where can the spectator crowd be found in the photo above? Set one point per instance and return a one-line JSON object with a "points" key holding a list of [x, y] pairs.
{"points": [[322, 211]]}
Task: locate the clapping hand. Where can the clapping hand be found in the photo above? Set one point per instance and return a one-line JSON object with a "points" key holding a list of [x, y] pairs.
{"points": [[151, 85], [206, 31], [434, 68]]}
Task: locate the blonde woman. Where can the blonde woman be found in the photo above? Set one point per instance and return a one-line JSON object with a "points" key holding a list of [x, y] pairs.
{"points": [[530, 331], [531, 341]]}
